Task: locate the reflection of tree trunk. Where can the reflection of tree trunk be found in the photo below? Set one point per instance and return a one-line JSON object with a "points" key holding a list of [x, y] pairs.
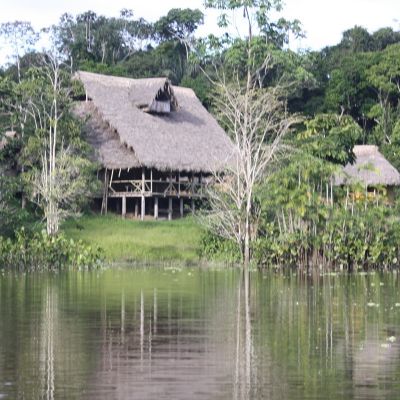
{"points": [[155, 311], [244, 342], [47, 345], [141, 324]]}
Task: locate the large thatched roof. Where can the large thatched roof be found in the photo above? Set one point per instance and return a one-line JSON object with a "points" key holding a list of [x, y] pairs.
{"points": [[133, 122], [370, 168]]}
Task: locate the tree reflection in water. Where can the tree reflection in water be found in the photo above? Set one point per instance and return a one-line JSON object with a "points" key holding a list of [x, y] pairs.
{"points": [[48, 335], [192, 333]]}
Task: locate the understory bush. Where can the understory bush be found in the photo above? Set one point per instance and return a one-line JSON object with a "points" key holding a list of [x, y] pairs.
{"points": [[216, 248], [363, 239], [38, 251]]}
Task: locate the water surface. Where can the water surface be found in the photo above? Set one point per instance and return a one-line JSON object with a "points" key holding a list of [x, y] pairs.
{"points": [[152, 333]]}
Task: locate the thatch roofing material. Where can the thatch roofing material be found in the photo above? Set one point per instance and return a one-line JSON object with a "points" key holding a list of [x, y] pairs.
{"points": [[7, 136], [107, 148], [188, 139], [370, 168]]}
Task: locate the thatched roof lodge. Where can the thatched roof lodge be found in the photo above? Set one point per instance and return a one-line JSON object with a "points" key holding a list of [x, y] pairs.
{"points": [[371, 169], [152, 140]]}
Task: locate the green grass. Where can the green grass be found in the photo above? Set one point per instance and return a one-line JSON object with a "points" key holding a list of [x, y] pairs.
{"points": [[141, 241]]}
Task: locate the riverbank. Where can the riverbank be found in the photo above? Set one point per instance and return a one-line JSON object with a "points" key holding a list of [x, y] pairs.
{"points": [[139, 241]]}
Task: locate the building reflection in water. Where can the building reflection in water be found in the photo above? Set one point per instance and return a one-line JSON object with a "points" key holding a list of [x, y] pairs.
{"points": [[230, 335]]}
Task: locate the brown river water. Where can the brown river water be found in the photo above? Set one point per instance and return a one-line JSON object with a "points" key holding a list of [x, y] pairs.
{"points": [[199, 333]]}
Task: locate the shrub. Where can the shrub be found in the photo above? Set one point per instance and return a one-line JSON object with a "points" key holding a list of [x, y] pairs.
{"points": [[39, 251], [215, 248], [365, 239]]}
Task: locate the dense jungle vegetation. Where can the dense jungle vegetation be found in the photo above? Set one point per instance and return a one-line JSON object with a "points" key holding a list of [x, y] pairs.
{"points": [[342, 95]]}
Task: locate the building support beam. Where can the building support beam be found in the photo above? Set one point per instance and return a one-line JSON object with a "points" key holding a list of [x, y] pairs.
{"points": [[104, 203], [155, 207], [123, 206], [170, 209], [143, 208], [136, 208], [181, 206]]}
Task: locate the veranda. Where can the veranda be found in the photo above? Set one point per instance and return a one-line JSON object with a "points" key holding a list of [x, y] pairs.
{"points": [[149, 192]]}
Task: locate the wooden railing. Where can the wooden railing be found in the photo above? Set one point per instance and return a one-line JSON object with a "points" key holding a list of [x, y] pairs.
{"points": [[137, 188]]}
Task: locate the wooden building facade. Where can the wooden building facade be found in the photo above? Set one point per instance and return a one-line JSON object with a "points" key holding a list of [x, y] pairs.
{"points": [[156, 145]]}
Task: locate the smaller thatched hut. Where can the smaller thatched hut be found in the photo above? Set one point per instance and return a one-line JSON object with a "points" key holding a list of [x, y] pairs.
{"points": [[156, 144], [371, 170], [8, 135]]}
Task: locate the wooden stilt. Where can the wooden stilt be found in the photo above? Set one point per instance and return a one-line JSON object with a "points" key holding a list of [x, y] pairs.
{"points": [[155, 207], [118, 206], [123, 206], [181, 206], [136, 208], [170, 209], [193, 206], [104, 204], [143, 205], [143, 208]]}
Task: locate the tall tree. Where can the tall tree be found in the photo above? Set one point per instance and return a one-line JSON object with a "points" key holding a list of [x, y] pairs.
{"points": [[20, 36], [61, 179], [256, 119]]}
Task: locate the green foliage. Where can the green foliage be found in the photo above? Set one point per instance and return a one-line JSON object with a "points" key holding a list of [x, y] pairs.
{"points": [[392, 150], [331, 137], [365, 239], [348, 89], [99, 68], [357, 40], [384, 75], [275, 30], [305, 221], [384, 37], [11, 215], [178, 24], [215, 248], [42, 252], [201, 86]]}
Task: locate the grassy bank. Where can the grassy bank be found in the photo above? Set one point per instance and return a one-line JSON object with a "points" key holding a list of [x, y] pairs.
{"points": [[131, 240]]}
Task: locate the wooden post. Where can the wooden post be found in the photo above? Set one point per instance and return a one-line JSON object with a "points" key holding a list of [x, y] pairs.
{"points": [[155, 207], [193, 206], [201, 184], [170, 209], [181, 206], [179, 183], [136, 208], [123, 206], [143, 207], [104, 204], [191, 193]]}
